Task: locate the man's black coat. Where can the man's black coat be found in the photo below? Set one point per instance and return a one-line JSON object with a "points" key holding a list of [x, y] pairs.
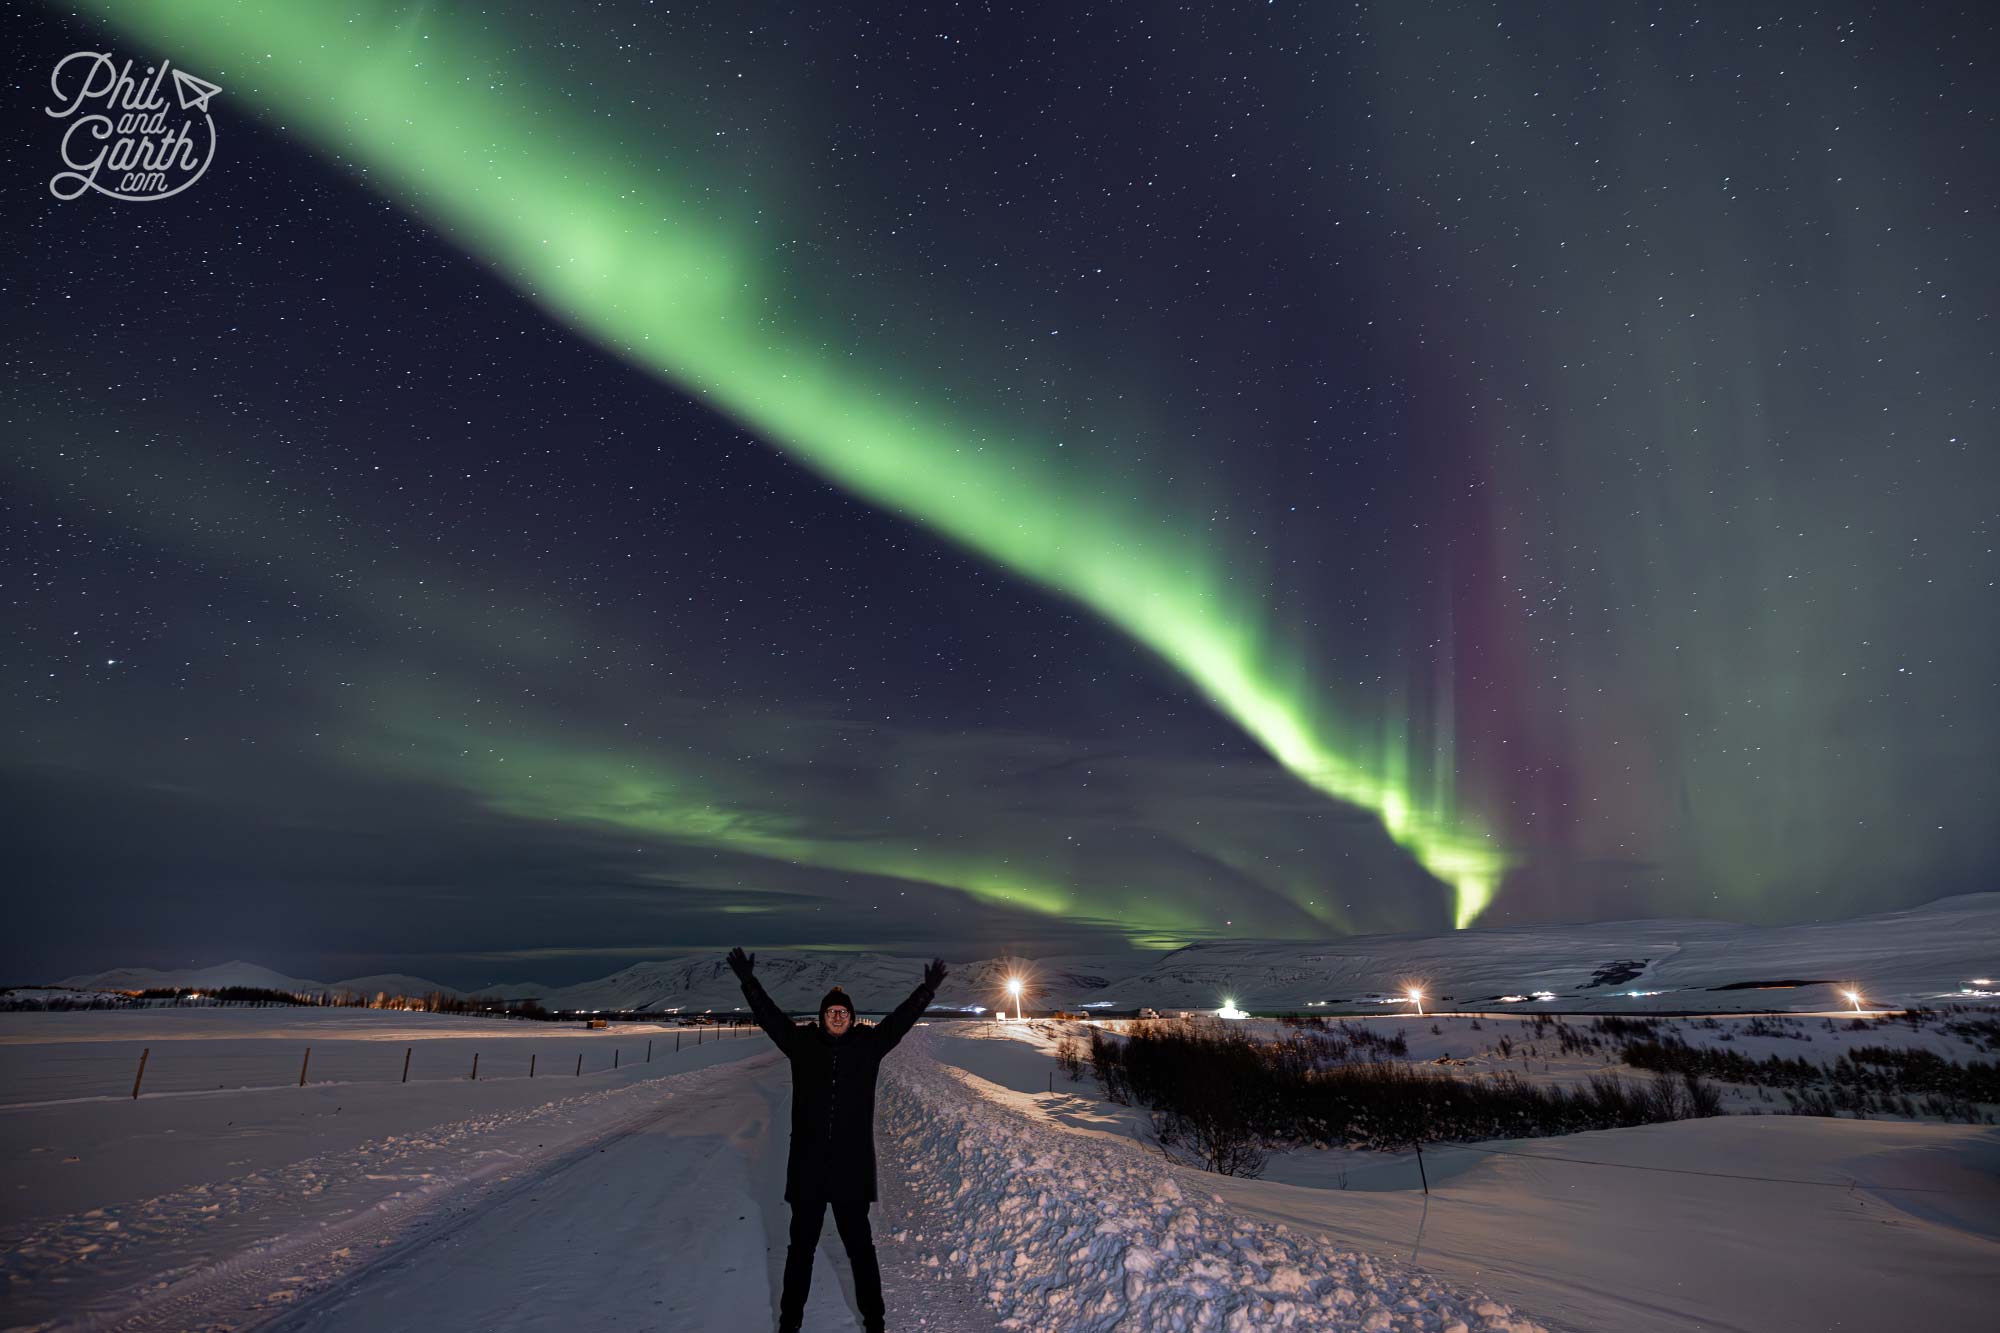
{"points": [[833, 1095]]}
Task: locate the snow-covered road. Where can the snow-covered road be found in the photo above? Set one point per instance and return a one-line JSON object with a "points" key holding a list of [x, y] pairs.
{"points": [[673, 1224], [655, 1226]]}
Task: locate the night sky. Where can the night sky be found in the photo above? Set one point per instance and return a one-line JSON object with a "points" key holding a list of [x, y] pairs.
{"points": [[568, 487]]}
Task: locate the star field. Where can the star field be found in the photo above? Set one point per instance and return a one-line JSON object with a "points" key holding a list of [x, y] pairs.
{"points": [[1050, 480]]}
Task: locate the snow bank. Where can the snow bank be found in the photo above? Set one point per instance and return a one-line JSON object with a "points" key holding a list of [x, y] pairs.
{"points": [[1102, 1237], [1895, 1227]]}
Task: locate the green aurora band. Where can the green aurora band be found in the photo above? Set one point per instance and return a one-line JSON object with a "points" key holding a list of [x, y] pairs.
{"points": [[545, 777], [528, 184], [440, 736]]}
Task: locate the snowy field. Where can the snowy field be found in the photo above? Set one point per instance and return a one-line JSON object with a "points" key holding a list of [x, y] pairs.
{"points": [[108, 1196], [647, 1197], [57, 1056]]}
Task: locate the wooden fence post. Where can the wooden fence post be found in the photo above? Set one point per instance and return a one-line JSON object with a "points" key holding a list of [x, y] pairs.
{"points": [[649, 1050], [406, 1062], [531, 1065], [579, 1064], [475, 1066], [302, 1066], [142, 1072]]}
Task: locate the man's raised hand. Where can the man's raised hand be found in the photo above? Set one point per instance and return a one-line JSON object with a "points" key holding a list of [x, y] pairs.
{"points": [[741, 963], [934, 974]]}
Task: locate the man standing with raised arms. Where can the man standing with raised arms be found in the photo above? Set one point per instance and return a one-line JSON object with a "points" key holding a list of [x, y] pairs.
{"points": [[832, 1158]]}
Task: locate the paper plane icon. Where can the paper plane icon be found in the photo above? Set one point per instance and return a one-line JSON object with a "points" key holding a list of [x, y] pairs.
{"points": [[192, 91]]}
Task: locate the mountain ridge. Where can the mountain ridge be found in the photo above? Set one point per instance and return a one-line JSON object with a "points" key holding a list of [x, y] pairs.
{"points": [[1912, 955]]}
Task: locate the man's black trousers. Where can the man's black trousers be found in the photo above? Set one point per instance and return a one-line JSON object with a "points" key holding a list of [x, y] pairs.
{"points": [[808, 1219]]}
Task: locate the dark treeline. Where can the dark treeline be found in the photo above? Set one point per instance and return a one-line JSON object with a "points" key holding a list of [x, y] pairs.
{"points": [[1773, 1071], [1884, 1079], [1983, 1033], [155, 997], [1217, 1097]]}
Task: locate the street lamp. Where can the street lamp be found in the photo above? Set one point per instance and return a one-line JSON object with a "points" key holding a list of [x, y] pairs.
{"points": [[1854, 997], [1416, 997], [1014, 989]]}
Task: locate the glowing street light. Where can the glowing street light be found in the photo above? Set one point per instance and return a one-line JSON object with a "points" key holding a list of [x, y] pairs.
{"points": [[1854, 997], [1014, 989], [1416, 997]]}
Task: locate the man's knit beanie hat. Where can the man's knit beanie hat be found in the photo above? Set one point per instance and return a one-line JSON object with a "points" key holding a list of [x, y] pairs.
{"points": [[833, 997]]}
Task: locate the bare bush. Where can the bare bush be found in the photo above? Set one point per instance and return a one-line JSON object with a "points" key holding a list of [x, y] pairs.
{"points": [[1069, 1058], [1219, 1098]]}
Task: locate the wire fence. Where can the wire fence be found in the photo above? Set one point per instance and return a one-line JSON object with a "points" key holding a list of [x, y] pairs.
{"points": [[39, 1074]]}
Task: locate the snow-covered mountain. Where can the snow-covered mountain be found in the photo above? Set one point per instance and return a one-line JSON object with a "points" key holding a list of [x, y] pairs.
{"points": [[236, 972], [393, 983], [797, 979], [1914, 956], [1923, 955]]}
